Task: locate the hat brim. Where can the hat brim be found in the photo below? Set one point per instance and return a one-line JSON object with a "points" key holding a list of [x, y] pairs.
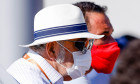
{"points": [[64, 37]]}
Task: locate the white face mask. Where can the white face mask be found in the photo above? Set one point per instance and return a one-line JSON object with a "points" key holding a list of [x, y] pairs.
{"points": [[82, 63]]}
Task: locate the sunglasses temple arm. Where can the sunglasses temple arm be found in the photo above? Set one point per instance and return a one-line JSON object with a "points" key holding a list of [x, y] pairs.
{"points": [[63, 46]]}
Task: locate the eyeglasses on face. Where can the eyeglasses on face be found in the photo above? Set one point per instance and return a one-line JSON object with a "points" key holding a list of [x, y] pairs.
{"points": [[82, 45]]}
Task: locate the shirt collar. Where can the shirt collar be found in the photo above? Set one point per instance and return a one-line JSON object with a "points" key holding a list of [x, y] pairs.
{"points": [[52, 74]]}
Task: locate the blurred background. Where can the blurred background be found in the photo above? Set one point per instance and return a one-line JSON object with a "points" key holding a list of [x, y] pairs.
{"points": [[16, 22]]}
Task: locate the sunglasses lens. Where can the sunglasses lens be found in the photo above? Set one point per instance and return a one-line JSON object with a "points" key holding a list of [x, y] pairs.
{"points": [[80, 45]]}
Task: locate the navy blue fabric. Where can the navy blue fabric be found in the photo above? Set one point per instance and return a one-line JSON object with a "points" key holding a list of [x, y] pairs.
{"points": [[61, 30]]}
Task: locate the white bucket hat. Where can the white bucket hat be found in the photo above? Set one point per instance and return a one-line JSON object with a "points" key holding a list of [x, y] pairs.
{"points": [[60, 22]]}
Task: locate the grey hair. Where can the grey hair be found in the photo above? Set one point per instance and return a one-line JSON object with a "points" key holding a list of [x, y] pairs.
{"points": [[42, 47], [39, 48], [61, 55]]}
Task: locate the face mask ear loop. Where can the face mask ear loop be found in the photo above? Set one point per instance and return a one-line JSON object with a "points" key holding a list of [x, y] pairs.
{"points": [[63, 47], [67, 50], [60, 64]]}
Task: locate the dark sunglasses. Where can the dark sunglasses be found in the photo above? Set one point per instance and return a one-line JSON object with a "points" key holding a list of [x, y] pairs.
{"points": [[81, 45]]}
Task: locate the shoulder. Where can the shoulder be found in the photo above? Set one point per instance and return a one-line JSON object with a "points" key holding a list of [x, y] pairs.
{"points": [[24, 71], [21, 65]]}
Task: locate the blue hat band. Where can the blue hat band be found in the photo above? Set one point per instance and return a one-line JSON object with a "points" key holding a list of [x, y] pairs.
{"points": [[61, 30]]}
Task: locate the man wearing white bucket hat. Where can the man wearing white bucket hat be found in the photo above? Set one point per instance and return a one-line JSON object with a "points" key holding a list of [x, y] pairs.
{"points": [[60, 51]]}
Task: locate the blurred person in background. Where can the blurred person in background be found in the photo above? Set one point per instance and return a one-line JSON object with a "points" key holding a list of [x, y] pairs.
{"points": [[61, 48], [128, 68], [104, 51], [124, 40]]}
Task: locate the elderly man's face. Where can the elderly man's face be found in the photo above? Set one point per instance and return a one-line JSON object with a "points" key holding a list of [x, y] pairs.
{"points": [[98, 23], [68, 57]]}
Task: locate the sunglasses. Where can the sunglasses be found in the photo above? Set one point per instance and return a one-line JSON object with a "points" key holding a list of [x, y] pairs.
{"points": [[82, 45]]}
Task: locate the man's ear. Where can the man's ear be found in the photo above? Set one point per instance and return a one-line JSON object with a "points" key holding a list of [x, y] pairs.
{"points": [[50, 49]]}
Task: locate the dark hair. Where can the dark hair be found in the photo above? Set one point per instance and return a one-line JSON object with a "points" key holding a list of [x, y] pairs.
{"points": [[128, 69], [90, 7]]}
